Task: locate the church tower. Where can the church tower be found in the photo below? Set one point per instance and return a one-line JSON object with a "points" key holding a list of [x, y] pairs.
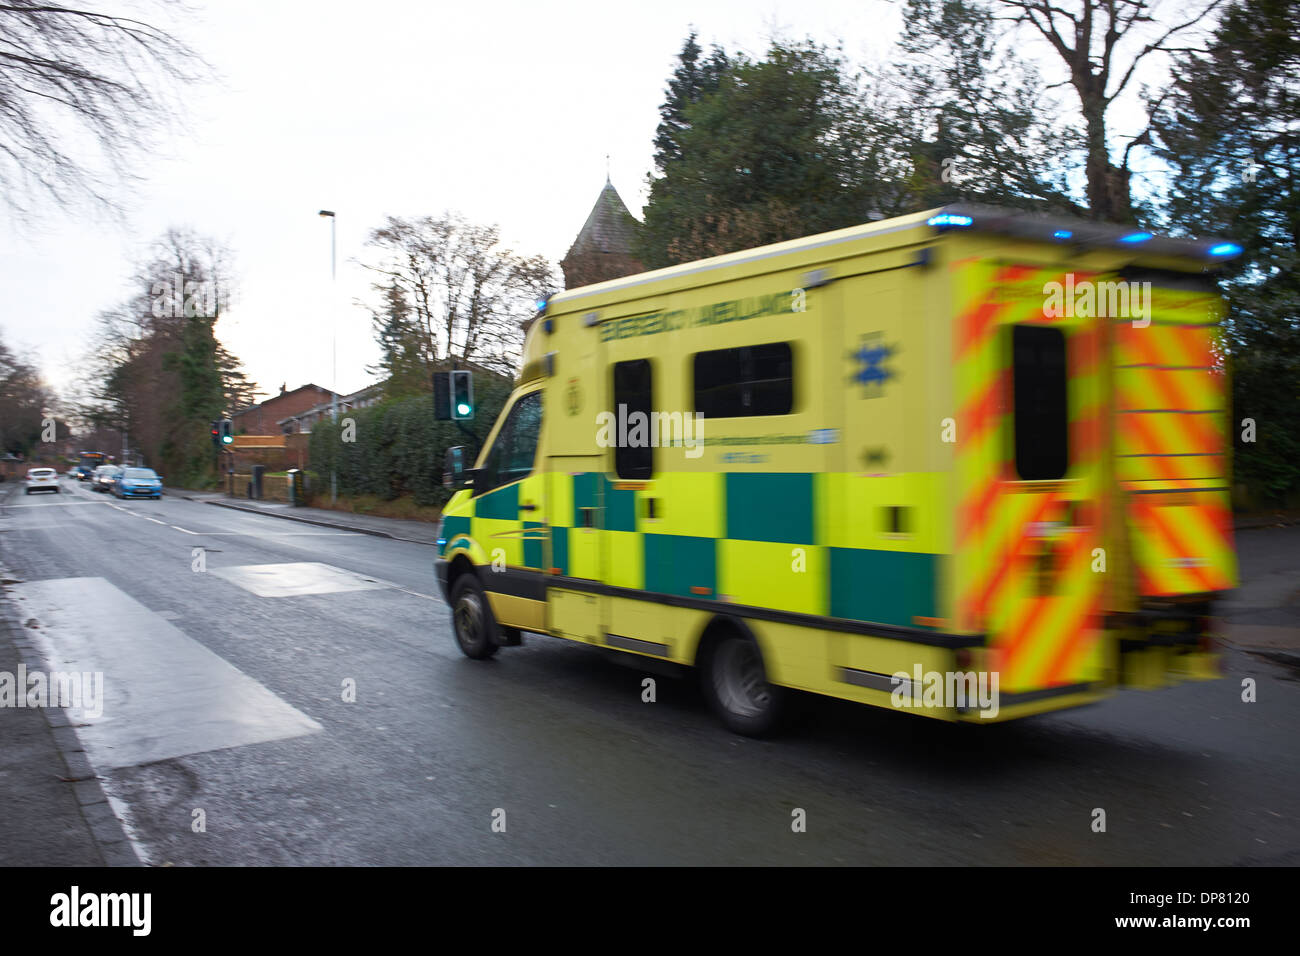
{"points": [[604, 247]]}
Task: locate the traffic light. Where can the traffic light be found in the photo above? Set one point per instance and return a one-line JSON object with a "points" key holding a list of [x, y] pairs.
{"points": [[227, 431], [215, 430], [453, 396], [462, 396]]}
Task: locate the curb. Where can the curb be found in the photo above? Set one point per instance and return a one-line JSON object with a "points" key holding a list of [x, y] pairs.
{"points": [[1277, 655], [107, 830], [319, 523]]}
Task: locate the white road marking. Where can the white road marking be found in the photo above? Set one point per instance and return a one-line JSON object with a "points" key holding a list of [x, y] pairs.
{"points": [[297, 578], [165, 694], [274, 534], [55, 504]]}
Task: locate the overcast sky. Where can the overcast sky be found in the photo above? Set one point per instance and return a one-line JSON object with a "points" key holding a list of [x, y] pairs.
{"points": [[504, 111]]}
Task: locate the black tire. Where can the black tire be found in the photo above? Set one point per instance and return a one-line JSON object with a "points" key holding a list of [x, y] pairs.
{"points": [[735, 683], [472, 621]]}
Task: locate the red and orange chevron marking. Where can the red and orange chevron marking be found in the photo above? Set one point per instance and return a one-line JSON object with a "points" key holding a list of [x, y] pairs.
{"points": [[1013, 535], [1170, 423]]}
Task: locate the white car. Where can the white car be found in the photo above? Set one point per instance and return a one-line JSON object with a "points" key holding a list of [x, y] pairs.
{"points": [[42, 479]]}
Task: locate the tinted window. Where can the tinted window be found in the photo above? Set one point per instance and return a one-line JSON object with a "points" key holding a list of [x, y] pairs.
{"points": [[633, 389], [515, 450], [139, 473], [1042, 420], [750, 380]]}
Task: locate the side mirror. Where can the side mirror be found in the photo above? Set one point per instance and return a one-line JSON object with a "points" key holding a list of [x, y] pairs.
{"points": [[453, 470]]}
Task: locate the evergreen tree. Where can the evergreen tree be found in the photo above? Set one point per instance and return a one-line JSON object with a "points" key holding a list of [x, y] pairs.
{"points": [[1230, 129], [692, 78], [776, 151]]}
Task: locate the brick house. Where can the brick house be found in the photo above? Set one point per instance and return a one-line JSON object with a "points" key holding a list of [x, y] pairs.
{"points": [[603, 249], [263, 418], [301, 422]]}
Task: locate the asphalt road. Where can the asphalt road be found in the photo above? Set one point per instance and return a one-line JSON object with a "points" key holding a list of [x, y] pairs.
{"points": [[225, 687]]}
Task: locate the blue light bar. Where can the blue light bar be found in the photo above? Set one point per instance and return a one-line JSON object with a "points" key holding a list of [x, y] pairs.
{"points": [[541, 305], [1135, 237], [1226, 249], [949, 219], [1062, 234]]}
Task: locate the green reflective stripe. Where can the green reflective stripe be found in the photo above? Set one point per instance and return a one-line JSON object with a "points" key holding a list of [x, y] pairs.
{"points": [[532, 544], [501, 503], [776, 507], [890, 587], [453, 525], [560, 549], [674, 564], [620, 509]]}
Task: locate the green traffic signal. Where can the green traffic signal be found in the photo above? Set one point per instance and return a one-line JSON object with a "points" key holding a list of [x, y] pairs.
{"points": [[462, 395]]}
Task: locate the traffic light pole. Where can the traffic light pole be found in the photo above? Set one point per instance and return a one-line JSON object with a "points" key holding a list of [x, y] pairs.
{"points": [[471, 436]]}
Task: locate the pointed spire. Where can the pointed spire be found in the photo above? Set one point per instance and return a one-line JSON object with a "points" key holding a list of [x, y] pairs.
{"points": [[603, 248]]}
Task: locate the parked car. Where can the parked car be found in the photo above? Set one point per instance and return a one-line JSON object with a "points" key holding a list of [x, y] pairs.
{"points": [[101, 479], [137, 483], [42, 479]]}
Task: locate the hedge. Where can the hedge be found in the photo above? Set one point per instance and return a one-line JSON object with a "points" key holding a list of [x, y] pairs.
{"points": [[397, 447]]}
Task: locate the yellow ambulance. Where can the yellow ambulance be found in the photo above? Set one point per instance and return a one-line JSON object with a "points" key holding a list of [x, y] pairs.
{"points": [[969, 463]]}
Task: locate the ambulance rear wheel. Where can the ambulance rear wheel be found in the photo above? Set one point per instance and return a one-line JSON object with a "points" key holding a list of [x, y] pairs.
{"points": [[736, 684], [476, 629]]}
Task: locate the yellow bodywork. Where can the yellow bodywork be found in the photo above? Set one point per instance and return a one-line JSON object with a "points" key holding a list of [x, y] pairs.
{"points": [[879, 526]]}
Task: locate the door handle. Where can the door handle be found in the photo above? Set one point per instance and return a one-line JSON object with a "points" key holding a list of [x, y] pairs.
{"points": [[528, 506]]}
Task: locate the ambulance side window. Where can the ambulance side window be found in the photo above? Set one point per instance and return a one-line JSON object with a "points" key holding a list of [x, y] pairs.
{"points": [[1042, 411], [634, 389], [750, 380], [514, 453]]}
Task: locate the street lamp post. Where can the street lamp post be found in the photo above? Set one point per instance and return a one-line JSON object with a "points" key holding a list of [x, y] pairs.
{"points": [[334, 349]]}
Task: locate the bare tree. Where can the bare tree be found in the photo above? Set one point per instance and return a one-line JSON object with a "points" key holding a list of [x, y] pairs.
{"points": [[156, 370], [452, 292], [1102, 43], [81, 93]]}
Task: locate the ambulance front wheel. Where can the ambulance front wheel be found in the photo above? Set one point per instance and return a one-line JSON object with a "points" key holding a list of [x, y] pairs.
{"points": [[736, 684], [476, 629]]}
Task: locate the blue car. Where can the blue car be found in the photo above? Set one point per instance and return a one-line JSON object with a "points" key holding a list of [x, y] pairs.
{"points": [[137, 483]]}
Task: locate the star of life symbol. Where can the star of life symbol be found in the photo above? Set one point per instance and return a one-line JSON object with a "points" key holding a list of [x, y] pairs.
{"points": [[870, 357]]}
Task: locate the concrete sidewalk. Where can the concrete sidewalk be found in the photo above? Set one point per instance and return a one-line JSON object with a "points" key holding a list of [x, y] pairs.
{"points": [[399, 529]]}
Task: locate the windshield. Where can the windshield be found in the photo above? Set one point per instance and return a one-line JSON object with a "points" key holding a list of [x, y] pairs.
{"points": [[139, 473]]}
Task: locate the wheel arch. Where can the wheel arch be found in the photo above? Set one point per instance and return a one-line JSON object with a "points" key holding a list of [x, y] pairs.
{"points": [[718, 627]]}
